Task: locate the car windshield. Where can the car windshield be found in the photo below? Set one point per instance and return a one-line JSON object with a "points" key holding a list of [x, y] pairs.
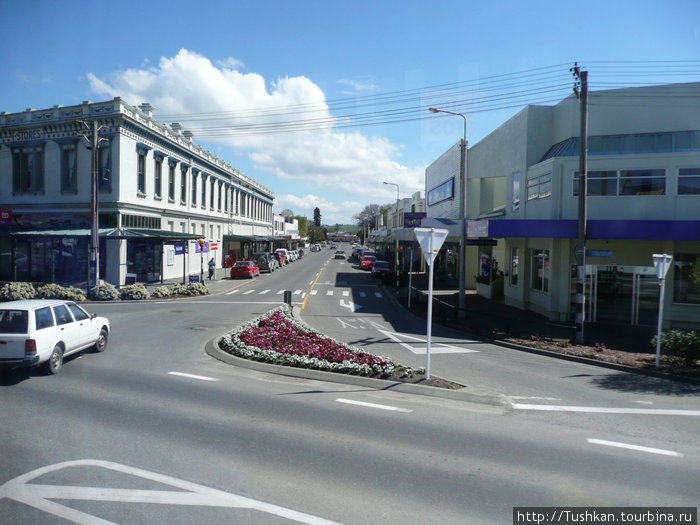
{"points": [[242, 263]]}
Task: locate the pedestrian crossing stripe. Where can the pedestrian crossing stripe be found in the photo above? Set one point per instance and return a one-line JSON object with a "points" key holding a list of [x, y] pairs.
{"points": [[345, 293]]}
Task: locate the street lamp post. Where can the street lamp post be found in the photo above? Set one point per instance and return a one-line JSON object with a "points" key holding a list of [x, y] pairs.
{"points": [[396, 233], [461, 301]]}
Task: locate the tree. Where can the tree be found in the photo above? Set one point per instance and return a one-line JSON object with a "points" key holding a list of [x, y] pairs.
{"points": [[287, 213], [317, 217], [302, 225], [368, 216]]}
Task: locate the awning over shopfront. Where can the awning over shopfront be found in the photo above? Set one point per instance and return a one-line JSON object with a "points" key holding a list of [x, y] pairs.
{"points": [[112, 233], [596, 229]]}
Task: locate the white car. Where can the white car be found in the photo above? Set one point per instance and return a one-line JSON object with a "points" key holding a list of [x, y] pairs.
{"points": [[44, 331]]}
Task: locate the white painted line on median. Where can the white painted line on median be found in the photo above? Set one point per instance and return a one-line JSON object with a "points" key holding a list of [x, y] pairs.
{"points": [[638, 448], [606, 410], [372, 405], [192, 376]]}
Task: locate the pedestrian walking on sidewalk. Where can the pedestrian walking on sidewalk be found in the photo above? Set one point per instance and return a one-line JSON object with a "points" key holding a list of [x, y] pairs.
{"points": [[212, 267]]}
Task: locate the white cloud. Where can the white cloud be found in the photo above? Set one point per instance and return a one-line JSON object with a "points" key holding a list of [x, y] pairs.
{"points": [[350, 166]]}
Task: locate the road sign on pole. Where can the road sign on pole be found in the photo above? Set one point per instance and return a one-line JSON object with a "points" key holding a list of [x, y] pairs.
{"points": [[662, 263], [430, 240]]}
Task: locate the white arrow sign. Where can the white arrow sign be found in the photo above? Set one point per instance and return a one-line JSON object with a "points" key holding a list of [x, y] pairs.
{"points": [[349, 304]]}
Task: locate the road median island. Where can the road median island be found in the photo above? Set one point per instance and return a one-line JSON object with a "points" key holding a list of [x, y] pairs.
{"points": [[278, 343]]}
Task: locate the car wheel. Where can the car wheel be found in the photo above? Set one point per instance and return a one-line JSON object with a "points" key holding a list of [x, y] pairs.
{"points": [[101, 343], [55, 362]]}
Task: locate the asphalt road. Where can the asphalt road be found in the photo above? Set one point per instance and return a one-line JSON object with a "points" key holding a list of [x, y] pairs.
{"points": [[154, 430]]}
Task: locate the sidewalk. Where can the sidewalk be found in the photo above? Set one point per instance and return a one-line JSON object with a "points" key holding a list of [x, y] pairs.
{"points": [[486, 316]]}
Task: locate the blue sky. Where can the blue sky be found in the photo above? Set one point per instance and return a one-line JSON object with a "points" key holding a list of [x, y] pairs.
{"points": [[357, 76]]}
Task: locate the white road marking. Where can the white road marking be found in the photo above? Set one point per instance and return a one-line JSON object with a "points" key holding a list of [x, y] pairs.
{"points": [[185, 493], [232, 292], [536, 397], [329, 292], [248, 292], [378, 294], [643, 402], [297, 292], [192, 376], [372, 405], [606, 410], [280, 292], [313, 292], [435, 348], [346, 293], [264, 292], [349, 304], [363, 294], [638, 448]]}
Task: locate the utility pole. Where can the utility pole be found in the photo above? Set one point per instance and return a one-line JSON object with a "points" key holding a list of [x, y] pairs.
{"points": [[581, 90], [93, 139]]}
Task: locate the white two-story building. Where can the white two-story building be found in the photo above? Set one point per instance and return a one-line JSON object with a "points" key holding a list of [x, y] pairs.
{"points": [[158, 192]]}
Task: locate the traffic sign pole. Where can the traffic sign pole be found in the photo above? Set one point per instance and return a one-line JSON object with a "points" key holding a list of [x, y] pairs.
{"points": [[662, 262]]}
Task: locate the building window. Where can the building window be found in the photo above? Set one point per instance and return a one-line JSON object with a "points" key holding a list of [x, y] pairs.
{"points": [[226, 199], [516, 191], [539, 187], [194, 188], [218, 199], [171, 182], [514, 266], [141, 172], [211, 195], [684, 289], [157, 178], [204, 191], [689, 181], [104, 162], [624, 182], [539, 270], [28, 169], [183, 185], [642, 182], [69, 167]]}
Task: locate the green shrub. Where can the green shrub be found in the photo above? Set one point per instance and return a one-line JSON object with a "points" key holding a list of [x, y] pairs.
{"points": [[55, 291], [682, 343], [134, 292], [194, 289], [17, 292], [162, 292], [104, 292]]}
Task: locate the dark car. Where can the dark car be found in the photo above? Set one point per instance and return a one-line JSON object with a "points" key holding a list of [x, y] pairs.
{"points": [[379, 268], [265, 261]]}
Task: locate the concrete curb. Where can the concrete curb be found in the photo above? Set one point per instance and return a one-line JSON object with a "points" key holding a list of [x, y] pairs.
{"points": [[212, 348]]}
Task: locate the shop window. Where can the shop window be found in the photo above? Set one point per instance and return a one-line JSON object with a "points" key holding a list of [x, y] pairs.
{"points": [[685, 289], [600, 183], [539, 270], [642, 182], [689, 181], [514, 270]]}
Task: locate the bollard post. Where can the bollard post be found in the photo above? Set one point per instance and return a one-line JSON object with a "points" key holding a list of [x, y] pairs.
{"points": [[288, 297]]}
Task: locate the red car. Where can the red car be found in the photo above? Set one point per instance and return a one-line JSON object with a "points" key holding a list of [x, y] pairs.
{"points": [[244, 269], [367, 262]]}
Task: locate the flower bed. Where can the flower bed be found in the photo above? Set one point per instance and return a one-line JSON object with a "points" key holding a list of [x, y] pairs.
{"points": [[278, 338]]}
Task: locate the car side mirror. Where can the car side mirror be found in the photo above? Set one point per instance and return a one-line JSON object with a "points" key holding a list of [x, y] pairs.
{"points": [[93, 315]]}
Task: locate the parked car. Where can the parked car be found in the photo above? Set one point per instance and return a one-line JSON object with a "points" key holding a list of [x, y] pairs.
{"points": [[41, 332], [265, 261], [281, 260], [379, 268], [339, 254], [292, 255], [367, 262], [244, 269], [285, 253], [316, 248]]}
